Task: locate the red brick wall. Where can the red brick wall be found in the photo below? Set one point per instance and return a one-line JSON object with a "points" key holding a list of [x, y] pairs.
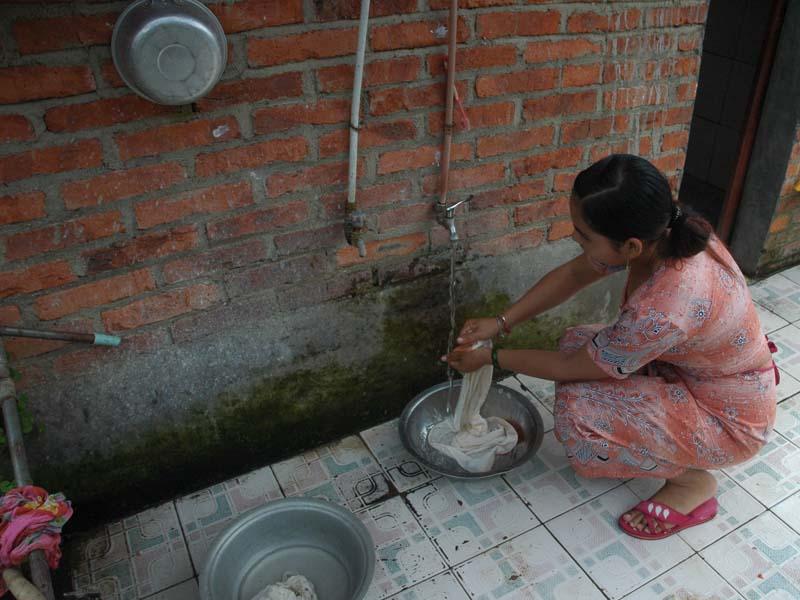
{"points": [[782, 246], [121, 215]]}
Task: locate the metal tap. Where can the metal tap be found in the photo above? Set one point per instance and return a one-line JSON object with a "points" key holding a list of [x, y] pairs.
{"points": [[354, 225], [446, 217]]}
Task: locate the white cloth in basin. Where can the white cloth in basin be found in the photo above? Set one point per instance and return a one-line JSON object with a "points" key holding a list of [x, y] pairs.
{"points": [[293, 587], [470, 439]]}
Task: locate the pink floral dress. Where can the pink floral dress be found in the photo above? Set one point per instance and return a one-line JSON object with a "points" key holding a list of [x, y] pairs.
{"points": [[687, 387]]}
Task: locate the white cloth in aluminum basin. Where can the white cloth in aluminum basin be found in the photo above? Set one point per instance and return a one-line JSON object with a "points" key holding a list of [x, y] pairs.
{"points": [[468, 438], [292, 587]]}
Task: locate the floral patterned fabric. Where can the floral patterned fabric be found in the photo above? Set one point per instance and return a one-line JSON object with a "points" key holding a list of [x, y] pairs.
{"points": [[690, 379]]}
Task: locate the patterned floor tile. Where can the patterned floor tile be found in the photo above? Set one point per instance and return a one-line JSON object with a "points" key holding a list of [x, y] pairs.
{"points": [[789, 511], [787, 419], [532, 566], [549, 484], [205, 514], [780, 295], [617, 563], [761, 559], [788, 387], [134, 558], [689, 580], [736, 507], [543, 389], [404, 471], [188, 590], [772, 475], [465, 518], [441, 587], [544, 412], [788, 355], [770, 322], [344, 472], [404, 554], [792, 274]]}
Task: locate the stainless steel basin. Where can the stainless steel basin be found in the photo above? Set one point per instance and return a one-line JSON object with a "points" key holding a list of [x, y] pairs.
{"points": [[430, 408], [320, 540]]}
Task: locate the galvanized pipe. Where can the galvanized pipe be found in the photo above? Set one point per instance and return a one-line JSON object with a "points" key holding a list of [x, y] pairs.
{"points": [[449, 96], [40, 570], [99, 339]]}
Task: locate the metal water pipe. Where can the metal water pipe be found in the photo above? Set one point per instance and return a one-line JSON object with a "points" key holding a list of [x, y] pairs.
{"points": [[445, 214], [355, 219]]}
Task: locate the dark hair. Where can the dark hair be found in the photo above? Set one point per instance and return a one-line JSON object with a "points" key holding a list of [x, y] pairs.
{"points": [[624, 196]]}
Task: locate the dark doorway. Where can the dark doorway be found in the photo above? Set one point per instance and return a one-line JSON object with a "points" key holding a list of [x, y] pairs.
{"points": [[736, 32]]}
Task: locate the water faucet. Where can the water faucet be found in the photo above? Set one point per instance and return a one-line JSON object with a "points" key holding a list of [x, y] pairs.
{"points": [[446, 217]]}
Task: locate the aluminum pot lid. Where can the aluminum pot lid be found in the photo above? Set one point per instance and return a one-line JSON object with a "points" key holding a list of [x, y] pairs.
{"points": [[169, 51]]}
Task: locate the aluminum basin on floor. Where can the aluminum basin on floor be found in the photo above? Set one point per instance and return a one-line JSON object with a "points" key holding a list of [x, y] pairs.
{"points": [[320, 540]]}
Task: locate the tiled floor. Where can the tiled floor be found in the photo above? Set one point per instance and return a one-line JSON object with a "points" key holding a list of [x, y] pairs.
{"points": [[539, 532]]}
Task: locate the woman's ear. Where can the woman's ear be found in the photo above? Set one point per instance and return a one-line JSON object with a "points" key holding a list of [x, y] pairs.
{"points": [[632, 248]]}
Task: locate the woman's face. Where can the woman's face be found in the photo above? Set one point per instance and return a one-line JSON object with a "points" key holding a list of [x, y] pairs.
{"points": [[604, 255]]}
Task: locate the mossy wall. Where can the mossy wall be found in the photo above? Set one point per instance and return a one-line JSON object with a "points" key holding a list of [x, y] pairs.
{"points": [[381, 348]]}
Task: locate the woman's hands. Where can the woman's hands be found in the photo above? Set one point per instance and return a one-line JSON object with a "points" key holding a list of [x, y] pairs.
{"points": [[478, 330], [464, 359]]}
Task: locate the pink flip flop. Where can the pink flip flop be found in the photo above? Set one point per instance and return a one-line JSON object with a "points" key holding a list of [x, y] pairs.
{"points": [[656, 512]]}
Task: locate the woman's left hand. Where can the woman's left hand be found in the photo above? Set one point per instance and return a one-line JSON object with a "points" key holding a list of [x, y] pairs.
{"points": [[466, 360]]}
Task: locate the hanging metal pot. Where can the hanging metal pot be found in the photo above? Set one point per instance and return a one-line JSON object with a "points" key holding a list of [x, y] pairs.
{"points": [[169, 51]]}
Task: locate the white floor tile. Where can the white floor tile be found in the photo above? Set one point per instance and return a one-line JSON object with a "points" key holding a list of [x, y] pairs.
{"points": [[772, 475], [787, 419], [531, 567], [344, 472], [789, 511], [205, 514], [549, 484], [544, 390], [792, 274], [788, 387], [441, 587], [618, 563], [404, 554], [403, 470], [188, 590], [465, 518], [736, 507], [760, 559], [788, 355], [780, 295], [770, 322], [690, 579]]}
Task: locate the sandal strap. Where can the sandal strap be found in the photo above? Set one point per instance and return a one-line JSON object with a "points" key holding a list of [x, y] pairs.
{"points": [[661, 512]]}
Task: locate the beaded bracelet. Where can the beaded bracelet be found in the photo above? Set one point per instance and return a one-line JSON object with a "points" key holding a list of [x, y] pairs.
{"points": [[495, 364]]}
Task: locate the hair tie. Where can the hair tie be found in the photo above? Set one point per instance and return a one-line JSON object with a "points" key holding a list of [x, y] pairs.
{"points": [[677, 213]]}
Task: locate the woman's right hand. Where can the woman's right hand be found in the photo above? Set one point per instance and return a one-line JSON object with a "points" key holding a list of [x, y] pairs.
{"points": [[477, 330]]}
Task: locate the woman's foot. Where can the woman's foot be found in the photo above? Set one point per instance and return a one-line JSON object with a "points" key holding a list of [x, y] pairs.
{"points": [[684, 493]]}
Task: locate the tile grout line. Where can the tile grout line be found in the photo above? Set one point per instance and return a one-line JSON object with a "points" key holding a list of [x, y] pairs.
{"points": [[558, 541], [154, 594]]}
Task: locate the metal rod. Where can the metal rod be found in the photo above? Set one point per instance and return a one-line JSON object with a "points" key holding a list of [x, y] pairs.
{"points": [[100, 339], [40, 570], [449, 95]]}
